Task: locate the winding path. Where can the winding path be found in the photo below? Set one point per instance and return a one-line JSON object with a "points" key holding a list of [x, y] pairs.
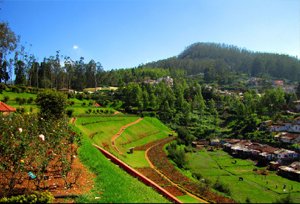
{"points": [[119, 133], [170, 181]]}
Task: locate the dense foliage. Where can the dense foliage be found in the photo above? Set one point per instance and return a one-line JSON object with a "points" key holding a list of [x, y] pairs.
{"points": [[52, 104], [32, 144], [221, 62]]}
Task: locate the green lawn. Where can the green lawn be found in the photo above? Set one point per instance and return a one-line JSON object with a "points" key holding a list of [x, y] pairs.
{"points": [[258, 188]]}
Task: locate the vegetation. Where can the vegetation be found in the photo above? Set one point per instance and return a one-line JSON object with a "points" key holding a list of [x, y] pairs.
{"points": [[52, 104], [223, 173], [221, 63], [112, 184], [36, 197], [32, 144]]}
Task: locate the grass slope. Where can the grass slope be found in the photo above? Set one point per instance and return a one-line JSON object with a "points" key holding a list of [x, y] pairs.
{"points": [[101, 129], [112, 184], [258, 188]]}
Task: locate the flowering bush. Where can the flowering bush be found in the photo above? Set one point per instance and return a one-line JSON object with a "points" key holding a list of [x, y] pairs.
{"points": [[32, 144]]}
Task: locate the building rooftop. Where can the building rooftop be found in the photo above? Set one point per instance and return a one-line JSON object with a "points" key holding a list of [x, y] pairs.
{"points": [[6, 108]]}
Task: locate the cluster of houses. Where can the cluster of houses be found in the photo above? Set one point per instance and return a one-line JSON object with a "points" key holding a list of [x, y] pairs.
{"points": [[283, 160], [288, 133], [261, 152], [167, 80]]}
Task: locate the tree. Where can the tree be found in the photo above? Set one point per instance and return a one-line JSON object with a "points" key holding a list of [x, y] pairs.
{"points": [[20, 73], [52, 104], [8, 40]]}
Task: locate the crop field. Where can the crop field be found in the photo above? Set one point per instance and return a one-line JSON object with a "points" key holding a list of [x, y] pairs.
{"points": [[112, 184], [147, 130], [256, 187], [101, 129], [79, 107]]}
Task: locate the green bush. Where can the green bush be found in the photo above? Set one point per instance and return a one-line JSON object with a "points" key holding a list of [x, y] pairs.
{"points": [[69, 112], [52, 104], [15, 89], [21, 110], [5, 99], [35, 197], [22, 101], [2, 87], [222, 187], [29, 100]]}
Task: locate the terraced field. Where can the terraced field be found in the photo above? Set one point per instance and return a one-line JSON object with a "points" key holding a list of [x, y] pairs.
{"points": [[119, 133]]}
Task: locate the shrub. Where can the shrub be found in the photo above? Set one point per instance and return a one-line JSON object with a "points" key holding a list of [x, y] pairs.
{"points": [[222, 187], [29, 100], [69, 112], [2, 87], [5, 99], [52, 104], [22, 101], [286, 199], [177, 154], [15, 89], [197, 176], [21, 110], [17, 99], [35, 197], [35, 143]]}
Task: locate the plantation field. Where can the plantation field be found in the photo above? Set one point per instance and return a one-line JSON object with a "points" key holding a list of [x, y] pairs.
{"points": [[256, 187], [101, 129], [79, 107], [146, 131], [112, 184]]}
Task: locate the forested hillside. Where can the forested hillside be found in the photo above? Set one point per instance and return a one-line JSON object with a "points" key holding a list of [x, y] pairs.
{"points": [[221, 61]]}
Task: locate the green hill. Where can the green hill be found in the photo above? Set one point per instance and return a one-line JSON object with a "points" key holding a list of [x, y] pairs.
{"points": [[220, 59]]}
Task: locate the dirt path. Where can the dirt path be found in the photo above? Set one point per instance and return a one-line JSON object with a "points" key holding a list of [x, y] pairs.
{"points": [[119, 133], [165, 177], [73, 120]]}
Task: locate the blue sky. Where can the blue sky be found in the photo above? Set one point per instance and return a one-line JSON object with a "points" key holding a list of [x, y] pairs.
{"points": [[126, 33]]}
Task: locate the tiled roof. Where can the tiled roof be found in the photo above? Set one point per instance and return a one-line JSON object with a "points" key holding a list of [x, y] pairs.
{"points": [[6, 108]]}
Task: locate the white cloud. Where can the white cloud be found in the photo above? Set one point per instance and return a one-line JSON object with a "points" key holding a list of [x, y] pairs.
{"points": [[75, 47]]}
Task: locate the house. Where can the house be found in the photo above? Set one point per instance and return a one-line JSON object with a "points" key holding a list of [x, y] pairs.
{"points": [[285, 127], [65, 90], [97, 105], [278, 83], [290, 138], [274, 165], [6, 109], [284, 155], [292, 171], [168, 80], [214, 142], [297, 105]]}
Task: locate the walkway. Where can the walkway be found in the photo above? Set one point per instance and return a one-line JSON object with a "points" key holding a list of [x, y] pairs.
{"points": [[170, 181], [119, 133]]}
